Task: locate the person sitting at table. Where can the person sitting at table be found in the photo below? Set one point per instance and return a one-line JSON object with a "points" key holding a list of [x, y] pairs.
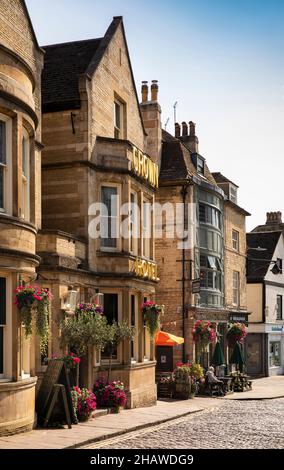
{"points": [[212, 379]]}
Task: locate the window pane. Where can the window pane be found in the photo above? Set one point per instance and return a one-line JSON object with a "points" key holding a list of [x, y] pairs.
{"points": [[117, 115], [1, 187], [2, 142], [2, 301], [1, 350], [202, 217], [109, 220], [111, 312]]}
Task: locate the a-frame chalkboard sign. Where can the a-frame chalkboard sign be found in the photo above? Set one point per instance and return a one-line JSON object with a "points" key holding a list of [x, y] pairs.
{"points": [[55, 390]]}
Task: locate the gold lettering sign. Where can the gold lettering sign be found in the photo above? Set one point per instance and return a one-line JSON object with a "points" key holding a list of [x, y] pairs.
{"points": [[145, 168], [146, 269]]}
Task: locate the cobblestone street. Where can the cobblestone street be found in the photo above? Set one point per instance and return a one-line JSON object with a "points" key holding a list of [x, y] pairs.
{"points": [[234, 425]]}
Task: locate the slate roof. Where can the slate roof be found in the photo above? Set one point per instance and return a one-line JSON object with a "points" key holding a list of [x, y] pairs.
{"points": [[256, 270], [63, 65], [219, 178], [176, 163]]}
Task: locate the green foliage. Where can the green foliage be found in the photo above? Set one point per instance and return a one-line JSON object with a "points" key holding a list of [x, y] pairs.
{"points": [[196, 371], [84, 331]]}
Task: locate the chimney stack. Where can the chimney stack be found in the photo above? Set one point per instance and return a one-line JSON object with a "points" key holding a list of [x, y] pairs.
{"points": [[145, 91], [177, 130], [192, 127], [154, 90], [151, 116], [273, 218], [184, 129]]}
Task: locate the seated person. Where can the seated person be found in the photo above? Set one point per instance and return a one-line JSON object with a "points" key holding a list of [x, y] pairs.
{"points": [[212, 379]]}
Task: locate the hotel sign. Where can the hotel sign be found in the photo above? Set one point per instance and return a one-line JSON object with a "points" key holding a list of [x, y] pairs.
{"points": [[145, 269], [145, 168]]}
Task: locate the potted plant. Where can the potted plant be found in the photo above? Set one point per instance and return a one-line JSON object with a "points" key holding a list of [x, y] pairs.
{"points": [[110, 395], [183, 382], [33, 304], [151, 314], [84, 403]]}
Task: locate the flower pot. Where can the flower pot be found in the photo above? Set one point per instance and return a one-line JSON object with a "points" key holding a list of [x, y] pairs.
{"points": [[182, 390], [116, 409]]}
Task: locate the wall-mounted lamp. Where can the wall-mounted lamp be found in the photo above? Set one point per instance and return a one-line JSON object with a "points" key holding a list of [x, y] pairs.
{"points": [[69, 303]]}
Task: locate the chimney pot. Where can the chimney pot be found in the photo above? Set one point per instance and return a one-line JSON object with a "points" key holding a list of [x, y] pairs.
{"points": [[154, 90], [145, 91], [274, 217], [192, 127], [184, 129], [177, 130]]}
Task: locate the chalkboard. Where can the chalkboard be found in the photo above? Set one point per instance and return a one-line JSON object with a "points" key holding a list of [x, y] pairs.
{"points": [[56, 374]]}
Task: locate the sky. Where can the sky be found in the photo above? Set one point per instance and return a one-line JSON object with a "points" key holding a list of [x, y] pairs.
{"points": [[221, 60]]}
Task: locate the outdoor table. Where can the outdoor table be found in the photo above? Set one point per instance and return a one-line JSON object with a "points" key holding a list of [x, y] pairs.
{"points": [[228, 383]]}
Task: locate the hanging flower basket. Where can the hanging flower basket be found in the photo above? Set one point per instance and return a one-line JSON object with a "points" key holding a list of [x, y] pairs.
{"points": [[236, 333], [151, 314], [33, 304], [203, 333], [89, 309]]}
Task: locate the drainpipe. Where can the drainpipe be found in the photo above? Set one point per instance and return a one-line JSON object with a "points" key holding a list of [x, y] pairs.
{"points": [[184, 192]]}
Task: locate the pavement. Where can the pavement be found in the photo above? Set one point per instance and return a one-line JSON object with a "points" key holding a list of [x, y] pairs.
{"points": [[106, 426]]}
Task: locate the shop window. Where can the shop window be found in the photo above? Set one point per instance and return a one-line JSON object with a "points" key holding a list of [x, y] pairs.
{"points": [[110, 217], [25, 355], [279, 313], [134, 322], [236, 288], [111, 313], [274, 354], [235, 240], [5, 165], [146, 337], [25, 176]]}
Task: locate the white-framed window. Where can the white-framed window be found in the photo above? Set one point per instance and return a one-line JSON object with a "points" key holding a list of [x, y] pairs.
{"points": [[134, 223], [110, 236], [25, 355], [118, 109], [5, 328], [25, 176], [235, 240], [236, 288], [233, 194], [146, 339], [146, 229], [5, 164]]}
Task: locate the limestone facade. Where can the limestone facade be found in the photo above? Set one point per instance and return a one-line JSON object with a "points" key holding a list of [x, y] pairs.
{"points": [[21, 62]]}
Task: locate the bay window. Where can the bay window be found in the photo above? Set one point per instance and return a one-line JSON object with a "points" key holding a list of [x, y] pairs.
{"points": [[25, 176], [110, 217], [236, 288], [5, 165], [147, 229]]}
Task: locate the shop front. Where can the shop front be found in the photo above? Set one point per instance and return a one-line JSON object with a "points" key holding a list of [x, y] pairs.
{"points": [[265, 350]]}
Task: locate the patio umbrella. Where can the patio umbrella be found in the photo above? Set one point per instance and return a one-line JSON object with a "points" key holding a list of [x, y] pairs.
{"points": [[237, 356], [167, 339], [218, 356]]}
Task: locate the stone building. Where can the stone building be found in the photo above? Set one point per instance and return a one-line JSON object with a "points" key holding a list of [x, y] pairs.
{"points": [[21, 61], [205, 277], [97, 149], [265, 290]]}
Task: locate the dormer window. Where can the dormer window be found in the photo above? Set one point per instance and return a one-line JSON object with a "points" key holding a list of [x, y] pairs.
{"points": [[233, 194], [199, 163]]}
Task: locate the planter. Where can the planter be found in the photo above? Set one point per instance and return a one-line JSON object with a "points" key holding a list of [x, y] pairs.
{"points": [[116, 409], [182, 390]]}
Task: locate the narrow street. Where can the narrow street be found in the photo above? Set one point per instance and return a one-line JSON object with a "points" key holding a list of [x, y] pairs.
{"points": [[234, 425]]}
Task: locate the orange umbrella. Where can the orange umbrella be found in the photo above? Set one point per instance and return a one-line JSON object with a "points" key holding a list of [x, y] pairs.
{"points": [[167, 339]]}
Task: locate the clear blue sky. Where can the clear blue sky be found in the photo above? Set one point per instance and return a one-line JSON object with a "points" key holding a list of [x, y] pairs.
{"points": [[222, 61]]}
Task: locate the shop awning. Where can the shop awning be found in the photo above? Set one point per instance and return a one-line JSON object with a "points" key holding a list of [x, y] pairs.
{"points": [[167, 339]]}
